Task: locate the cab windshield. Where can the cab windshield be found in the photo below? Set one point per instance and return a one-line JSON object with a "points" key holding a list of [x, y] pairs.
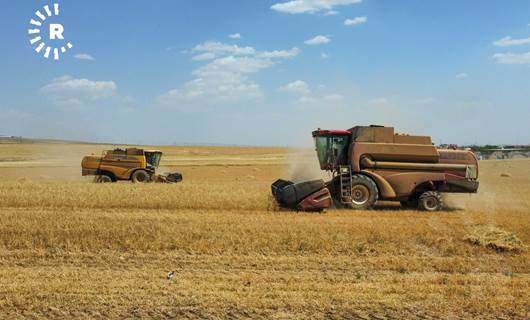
{"points": [[153, 158], [331, 150]]}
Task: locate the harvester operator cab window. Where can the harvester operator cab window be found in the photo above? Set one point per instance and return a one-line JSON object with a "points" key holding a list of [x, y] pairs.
{"points": [[153, 158], [331, 150]]}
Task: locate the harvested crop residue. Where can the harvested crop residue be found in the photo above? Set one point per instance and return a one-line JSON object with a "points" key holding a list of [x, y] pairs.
{"points": [[493, 237]]}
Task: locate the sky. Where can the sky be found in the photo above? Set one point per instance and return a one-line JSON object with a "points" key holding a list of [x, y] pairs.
{"points": [[256, 72]]}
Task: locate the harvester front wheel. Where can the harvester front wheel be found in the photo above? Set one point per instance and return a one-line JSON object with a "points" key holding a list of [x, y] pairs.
{"points": [[364, 192], [430, 201], [140, 176]]}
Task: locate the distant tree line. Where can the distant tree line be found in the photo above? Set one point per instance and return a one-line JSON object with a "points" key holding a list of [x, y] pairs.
{"points": [[491, 147]]}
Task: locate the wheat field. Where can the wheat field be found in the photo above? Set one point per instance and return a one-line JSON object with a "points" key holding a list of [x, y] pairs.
{"points": [[70, 248]]}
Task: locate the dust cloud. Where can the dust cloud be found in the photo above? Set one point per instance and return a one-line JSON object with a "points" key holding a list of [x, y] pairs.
{"points": [[47, 161], [503, 185], [303, 166]]}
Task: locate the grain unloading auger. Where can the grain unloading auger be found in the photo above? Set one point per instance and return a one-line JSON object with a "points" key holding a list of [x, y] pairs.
{"points": [[371, 163]]}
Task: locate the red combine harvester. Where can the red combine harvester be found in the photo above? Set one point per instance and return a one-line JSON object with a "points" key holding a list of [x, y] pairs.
{"points": [[371, 163]]}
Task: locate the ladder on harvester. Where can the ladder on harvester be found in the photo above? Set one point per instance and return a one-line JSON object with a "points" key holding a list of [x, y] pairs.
{"points": [[345, 183]]}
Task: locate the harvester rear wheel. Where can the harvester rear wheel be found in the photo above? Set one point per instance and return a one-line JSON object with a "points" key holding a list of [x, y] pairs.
{"points": [[140, 176], [103, 179], [430, 201], [364, 192]]}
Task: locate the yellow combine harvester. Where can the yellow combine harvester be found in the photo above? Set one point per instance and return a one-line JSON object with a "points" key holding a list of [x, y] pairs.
{"points": [[136, 165]]}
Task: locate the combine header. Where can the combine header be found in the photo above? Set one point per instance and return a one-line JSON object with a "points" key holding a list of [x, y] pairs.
{"points": [[371, 163], [314, 194], [136, 165]]}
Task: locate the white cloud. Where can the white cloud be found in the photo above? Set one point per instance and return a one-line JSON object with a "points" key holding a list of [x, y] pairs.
{"points": [[297, 86], [222, 48], [204, 56], [310, 6], [324, 55], [378, 101], [70, 91], [354, 21], [235, 36], [84, 56], [211, 85], [508, 42], [308, 99], [461, 75], [512, 58], [88, 88], [319, 101], [318, 40], [426, 100], [293, 52], [232, 64], [333, 97], [331, 13], [226, 78]]}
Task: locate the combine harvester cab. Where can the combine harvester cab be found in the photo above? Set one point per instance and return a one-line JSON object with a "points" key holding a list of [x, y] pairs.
{"points": [[371, 163]]}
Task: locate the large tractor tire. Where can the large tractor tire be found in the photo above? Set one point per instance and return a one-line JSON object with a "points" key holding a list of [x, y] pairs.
{"points": [[140, 176], [103, 179], [430, 201], [364, 192]]}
